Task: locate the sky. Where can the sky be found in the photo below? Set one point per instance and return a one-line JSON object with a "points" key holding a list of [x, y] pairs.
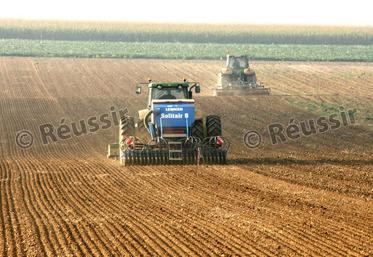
{"points": [[343, 12]]}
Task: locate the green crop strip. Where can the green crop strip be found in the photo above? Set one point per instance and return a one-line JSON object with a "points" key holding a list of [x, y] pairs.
{"points": [[102, 49]]}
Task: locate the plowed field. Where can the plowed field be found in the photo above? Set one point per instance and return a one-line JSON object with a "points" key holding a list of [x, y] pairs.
{"points": [[309, 197]]}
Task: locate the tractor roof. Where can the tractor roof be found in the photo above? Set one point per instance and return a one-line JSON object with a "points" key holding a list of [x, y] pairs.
{"points": [[168, 84], [237, 56]]}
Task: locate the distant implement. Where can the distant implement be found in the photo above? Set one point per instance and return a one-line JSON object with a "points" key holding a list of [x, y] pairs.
{"points": [[237, 78]]}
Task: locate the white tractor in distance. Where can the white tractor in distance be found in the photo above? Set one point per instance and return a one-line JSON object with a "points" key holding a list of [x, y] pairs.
{"points": [[237, 78]]}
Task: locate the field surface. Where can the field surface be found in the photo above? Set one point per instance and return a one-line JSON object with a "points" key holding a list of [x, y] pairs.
{"points": [[309, 197]]}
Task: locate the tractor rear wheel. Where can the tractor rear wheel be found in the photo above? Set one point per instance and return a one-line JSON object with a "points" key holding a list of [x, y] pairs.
{"points": [[197, 129], [213, 126], [126, 129], [224, 80]]}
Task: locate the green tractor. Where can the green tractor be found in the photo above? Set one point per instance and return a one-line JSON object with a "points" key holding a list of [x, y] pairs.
{"points": [[237, 78], [168, 130]]}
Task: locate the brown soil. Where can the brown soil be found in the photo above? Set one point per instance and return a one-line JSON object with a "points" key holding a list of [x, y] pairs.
{"points": [[310, 197]]}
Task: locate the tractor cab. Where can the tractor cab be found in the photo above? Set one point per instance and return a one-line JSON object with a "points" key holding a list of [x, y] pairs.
{"points": [[170, 91], [237, 62]]}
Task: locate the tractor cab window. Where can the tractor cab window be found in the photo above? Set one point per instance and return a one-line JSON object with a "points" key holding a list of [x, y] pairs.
{"points": [[236, 63], [170, 93]]}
